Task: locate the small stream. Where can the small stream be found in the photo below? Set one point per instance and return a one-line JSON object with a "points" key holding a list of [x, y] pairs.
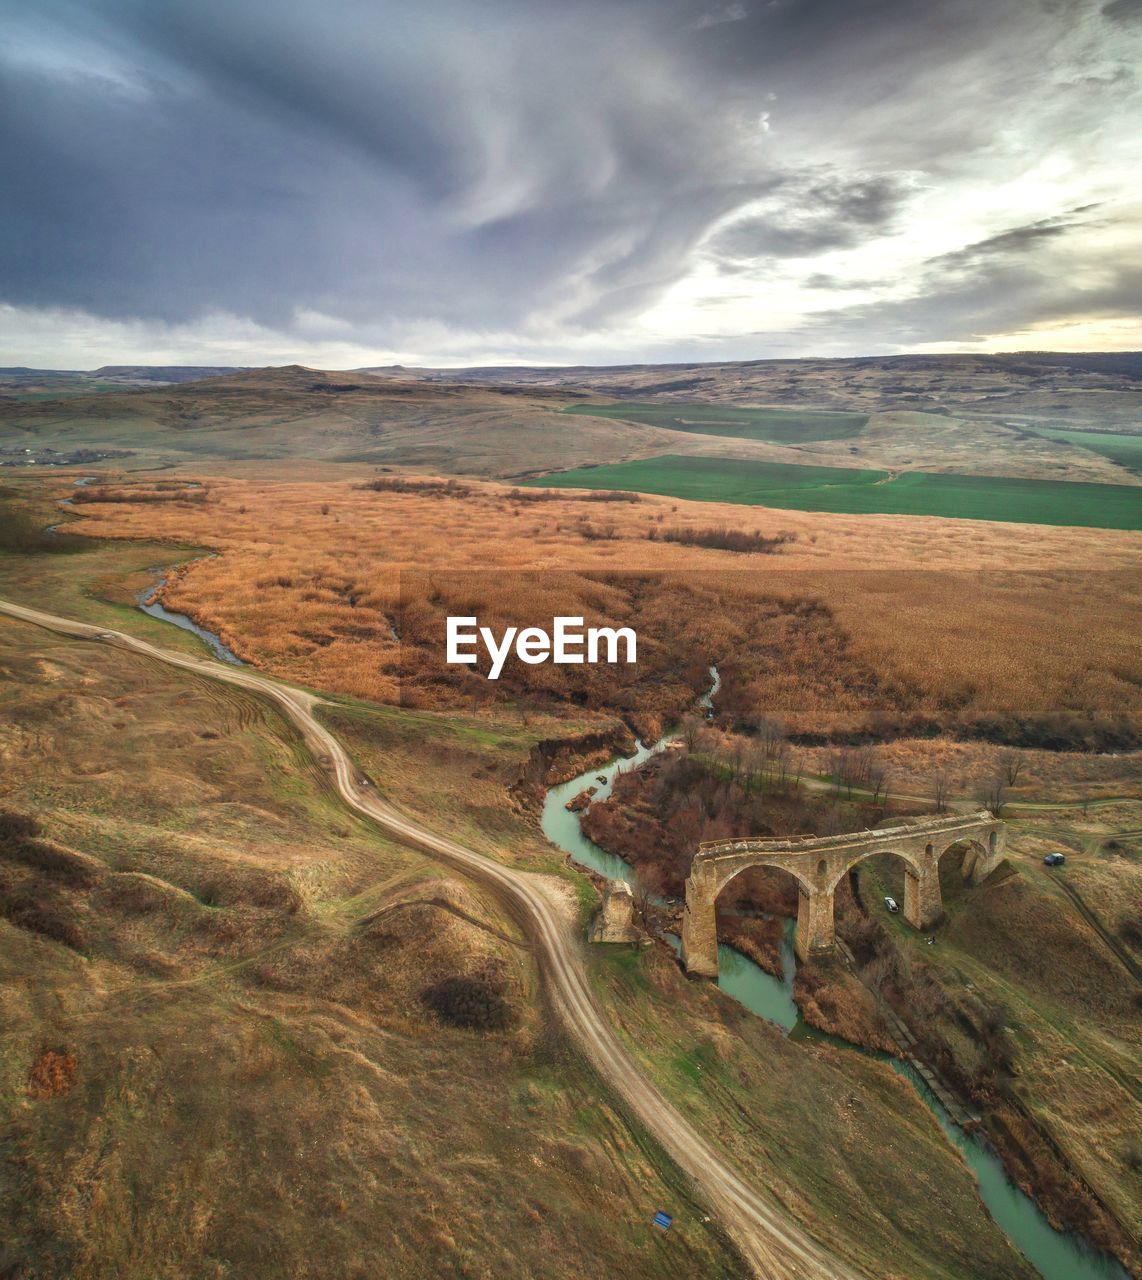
{"points": [[76, 484], [1055, 1255], [561, 826], [158, 610]]}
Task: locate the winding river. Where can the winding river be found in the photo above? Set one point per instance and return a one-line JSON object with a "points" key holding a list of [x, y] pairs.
{"points": [[146, 599], [156, 609], [1055, 1255]]}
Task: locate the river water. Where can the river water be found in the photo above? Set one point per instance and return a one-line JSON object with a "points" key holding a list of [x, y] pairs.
{"points": [[158, 610], [1055, 1255], [562, 827]]}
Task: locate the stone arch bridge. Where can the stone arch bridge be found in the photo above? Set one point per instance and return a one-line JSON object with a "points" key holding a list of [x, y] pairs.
{"points": [[820, 862]]}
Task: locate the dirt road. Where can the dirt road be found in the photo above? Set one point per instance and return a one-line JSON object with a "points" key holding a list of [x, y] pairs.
{"points": [[774, 1245]]}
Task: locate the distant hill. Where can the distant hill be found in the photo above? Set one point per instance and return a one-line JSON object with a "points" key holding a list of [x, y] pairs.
{"points": [[1047, 388], [1007, 415], [1113, 364], [165, 372]]}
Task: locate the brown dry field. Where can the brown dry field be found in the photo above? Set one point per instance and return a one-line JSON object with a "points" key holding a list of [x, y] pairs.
{"points": [[858, 624], [220, 1046], [216, 1058], [913, 764]]}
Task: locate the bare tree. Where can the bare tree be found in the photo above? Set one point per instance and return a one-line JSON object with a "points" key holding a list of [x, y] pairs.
{"points": [[940, 791], [753, 769], [795, 769], [841, 767], [691, 727], [1011, 766], [771, 734], [645, 889], [863, 763], [993, 796]]}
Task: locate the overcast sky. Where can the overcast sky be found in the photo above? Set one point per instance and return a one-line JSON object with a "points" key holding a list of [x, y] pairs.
{"points": [[360, 182]]}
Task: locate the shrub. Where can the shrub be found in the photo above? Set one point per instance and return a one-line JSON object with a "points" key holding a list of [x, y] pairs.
{"points": [[52, 1073], [476, 1004], [723, 538], [402, 484], [21, 532]]}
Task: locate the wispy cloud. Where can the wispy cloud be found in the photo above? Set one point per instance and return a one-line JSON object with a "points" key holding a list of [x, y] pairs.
{"points": [[582, 176], [716, 17]]}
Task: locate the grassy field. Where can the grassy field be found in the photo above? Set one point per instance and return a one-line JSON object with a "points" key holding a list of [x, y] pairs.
{"points": [[1125, 450], [222, 1047], [305, 584], [835, 1135], [1069, 1004], [269, 951], [777, 426], [235, 963], [860, 492], [455, 772]]}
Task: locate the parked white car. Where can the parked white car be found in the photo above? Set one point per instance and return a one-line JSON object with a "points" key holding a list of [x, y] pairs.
{"points": [[892, 905]]}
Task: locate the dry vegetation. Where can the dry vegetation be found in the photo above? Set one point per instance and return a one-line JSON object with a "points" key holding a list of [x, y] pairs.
{"points": [[926, 768], [326, 1007], [724, 538], [288, 1002], [994, 1039], [658, 814], [1041, 973], [240, 1034], [863, 625]]}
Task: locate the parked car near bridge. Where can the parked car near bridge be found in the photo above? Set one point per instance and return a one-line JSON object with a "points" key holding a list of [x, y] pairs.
{"points": [[892, 905]]}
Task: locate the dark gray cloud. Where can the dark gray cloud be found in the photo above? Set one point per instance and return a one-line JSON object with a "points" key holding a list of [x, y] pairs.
{"points": [[1010, 282], [813, 217], [1014, 241], [507, 166], [1123, 10]]}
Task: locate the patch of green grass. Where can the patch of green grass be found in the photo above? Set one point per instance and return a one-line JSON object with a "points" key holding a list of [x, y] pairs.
{"points": [[586, 895], [1125, 450], [864, 492], [412, 725], [696, 1064], [712, 479], [777, 426]]}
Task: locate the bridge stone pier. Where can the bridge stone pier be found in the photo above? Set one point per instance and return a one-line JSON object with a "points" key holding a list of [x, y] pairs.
{"points": [[819, 863]]}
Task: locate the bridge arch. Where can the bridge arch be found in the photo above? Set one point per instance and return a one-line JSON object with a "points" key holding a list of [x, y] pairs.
{"points": [[818, 864], [811, 893], [922, 903], [977, 860]]}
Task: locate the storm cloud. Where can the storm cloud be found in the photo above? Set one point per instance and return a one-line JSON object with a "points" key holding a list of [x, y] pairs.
{"points": [[537, 180]]}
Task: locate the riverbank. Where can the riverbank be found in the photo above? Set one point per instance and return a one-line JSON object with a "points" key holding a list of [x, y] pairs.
{"points": [[778, 996], [148, 601]]}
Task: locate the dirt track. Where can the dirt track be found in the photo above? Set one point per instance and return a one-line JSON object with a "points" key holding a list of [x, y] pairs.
{"points": [[774, 1245]]}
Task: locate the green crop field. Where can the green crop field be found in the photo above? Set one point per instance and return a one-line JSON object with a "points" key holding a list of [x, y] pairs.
{"points": [[777, 426], [1125, 450], [859, 492]]}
